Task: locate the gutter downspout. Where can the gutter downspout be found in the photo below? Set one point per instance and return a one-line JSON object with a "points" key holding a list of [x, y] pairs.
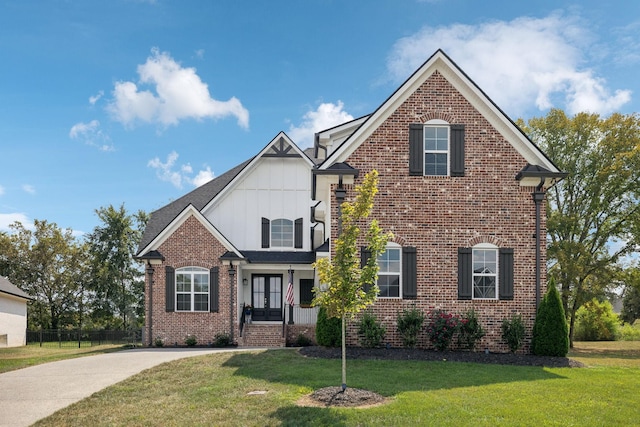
{"points": [[538, 197], [150, 274]]}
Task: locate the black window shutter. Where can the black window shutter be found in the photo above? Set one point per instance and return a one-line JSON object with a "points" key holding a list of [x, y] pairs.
{"points": [[409, 273], [365, 254], [297, 234], [505, 265], [214, 290], [416, 149], [170, 288], [457, 150], [266, 232], [465, 273]]}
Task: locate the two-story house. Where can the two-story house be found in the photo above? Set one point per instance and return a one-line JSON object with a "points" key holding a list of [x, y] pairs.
{"points": [[460, 187]]}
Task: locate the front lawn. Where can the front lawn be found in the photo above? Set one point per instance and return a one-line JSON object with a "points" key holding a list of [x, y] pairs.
{"points": [[261, 389]]}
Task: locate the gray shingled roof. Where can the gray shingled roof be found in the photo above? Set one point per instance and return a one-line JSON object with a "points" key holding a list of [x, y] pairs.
{"points": [[199, 198], [9, 288]]}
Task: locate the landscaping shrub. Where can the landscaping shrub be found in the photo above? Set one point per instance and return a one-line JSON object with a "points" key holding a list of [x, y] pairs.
{"points": [[158, 342], [410, 323], [190, 340], [550, 331], [222, 339], [370, 331], [470, 331], [513, 332], [628, 332], [328, 330], [302, 341], [441, 328], [596, 321]]}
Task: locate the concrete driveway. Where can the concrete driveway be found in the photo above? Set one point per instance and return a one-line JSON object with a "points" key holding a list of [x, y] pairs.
{"points": [[33, 393]]}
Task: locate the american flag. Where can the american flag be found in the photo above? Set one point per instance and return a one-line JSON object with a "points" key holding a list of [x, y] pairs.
{"points": [[290, 288]]}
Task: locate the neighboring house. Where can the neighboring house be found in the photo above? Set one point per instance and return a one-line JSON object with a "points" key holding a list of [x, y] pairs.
{"points": [[460, 186], [13, 314]]}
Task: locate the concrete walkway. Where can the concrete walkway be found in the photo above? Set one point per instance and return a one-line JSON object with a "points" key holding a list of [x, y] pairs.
{"points": [[30, 394]]}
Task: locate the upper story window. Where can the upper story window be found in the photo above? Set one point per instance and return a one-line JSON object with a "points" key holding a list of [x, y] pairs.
{"points": [[485, 271], [192, 289], [281, 233], [436, 149], [389, 275]]}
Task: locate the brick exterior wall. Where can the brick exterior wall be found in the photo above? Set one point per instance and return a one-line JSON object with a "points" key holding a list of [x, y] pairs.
{"points": [[190, 245], [439, 214]]}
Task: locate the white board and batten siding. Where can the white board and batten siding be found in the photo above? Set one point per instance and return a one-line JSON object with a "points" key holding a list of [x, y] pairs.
{"points": [[274, 188]]}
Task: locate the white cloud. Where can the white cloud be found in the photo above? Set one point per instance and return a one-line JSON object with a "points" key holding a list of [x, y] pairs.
{"points": [[203, 177], [6, 219], [324, 117], [91, 134], [178, 175], [1, 190], [96, 98], [178, 93], [27, 188], [540, 60]]}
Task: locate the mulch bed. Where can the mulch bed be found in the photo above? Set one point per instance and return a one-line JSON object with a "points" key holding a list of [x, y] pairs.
{"points": [[353, 397], [431, 355]]}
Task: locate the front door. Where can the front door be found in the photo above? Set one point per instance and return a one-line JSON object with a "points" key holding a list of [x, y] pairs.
{"points": [[266, 297]]}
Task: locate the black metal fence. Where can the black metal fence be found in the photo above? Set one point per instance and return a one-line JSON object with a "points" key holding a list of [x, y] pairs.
{"points": [[76, 338]]}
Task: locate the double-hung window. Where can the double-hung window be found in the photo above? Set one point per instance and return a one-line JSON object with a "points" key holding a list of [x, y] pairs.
{"points": [[389, 274], [282, 233], [485, 272], [192, 289], [436, 150]]}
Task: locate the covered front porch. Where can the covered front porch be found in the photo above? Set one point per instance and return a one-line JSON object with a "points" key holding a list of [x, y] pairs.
{"points": [[275, 290]]}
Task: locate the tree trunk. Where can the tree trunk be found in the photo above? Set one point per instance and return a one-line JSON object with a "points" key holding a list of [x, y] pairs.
{"points": [[344, 355]]}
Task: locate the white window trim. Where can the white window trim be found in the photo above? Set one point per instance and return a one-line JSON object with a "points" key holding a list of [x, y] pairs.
{"points": [[191, 270], [485, 246], [293, 233], [397, 247], [436, 123]]}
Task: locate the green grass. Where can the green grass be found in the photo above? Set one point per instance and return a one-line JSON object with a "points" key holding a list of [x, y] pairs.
{"points": [[213, 390], [22, 357]]}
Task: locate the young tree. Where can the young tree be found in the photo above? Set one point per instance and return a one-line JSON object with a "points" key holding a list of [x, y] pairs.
{"points": [[350, 287], [593, 214], [116, 275], [550, 332]]}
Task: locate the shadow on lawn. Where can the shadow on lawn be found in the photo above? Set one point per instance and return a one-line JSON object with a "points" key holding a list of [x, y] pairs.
{"points": [[386, 377]]}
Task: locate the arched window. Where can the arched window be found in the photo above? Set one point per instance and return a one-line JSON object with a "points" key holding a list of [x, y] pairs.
{"points": [[485, 271], [436, 148], [389, 275], [282, 233], [192, 289]]}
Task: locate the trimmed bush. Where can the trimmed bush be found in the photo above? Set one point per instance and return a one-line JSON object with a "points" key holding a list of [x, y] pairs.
{"points": [[328, 330], [596, 321], [513, 332], [550, 331], [470, 331], [222, 339], [409, 325], [370, 331], [441, 328], [190, 340]]}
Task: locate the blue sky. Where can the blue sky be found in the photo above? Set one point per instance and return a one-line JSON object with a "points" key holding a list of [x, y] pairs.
{"points": [[137, 102]]}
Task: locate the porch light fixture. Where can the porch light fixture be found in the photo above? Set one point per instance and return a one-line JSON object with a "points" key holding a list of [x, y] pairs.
{"points": [[245, 282]]}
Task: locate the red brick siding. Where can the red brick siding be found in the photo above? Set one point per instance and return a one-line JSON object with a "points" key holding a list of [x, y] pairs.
{"points": [[439, 214], [190, 245]]}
